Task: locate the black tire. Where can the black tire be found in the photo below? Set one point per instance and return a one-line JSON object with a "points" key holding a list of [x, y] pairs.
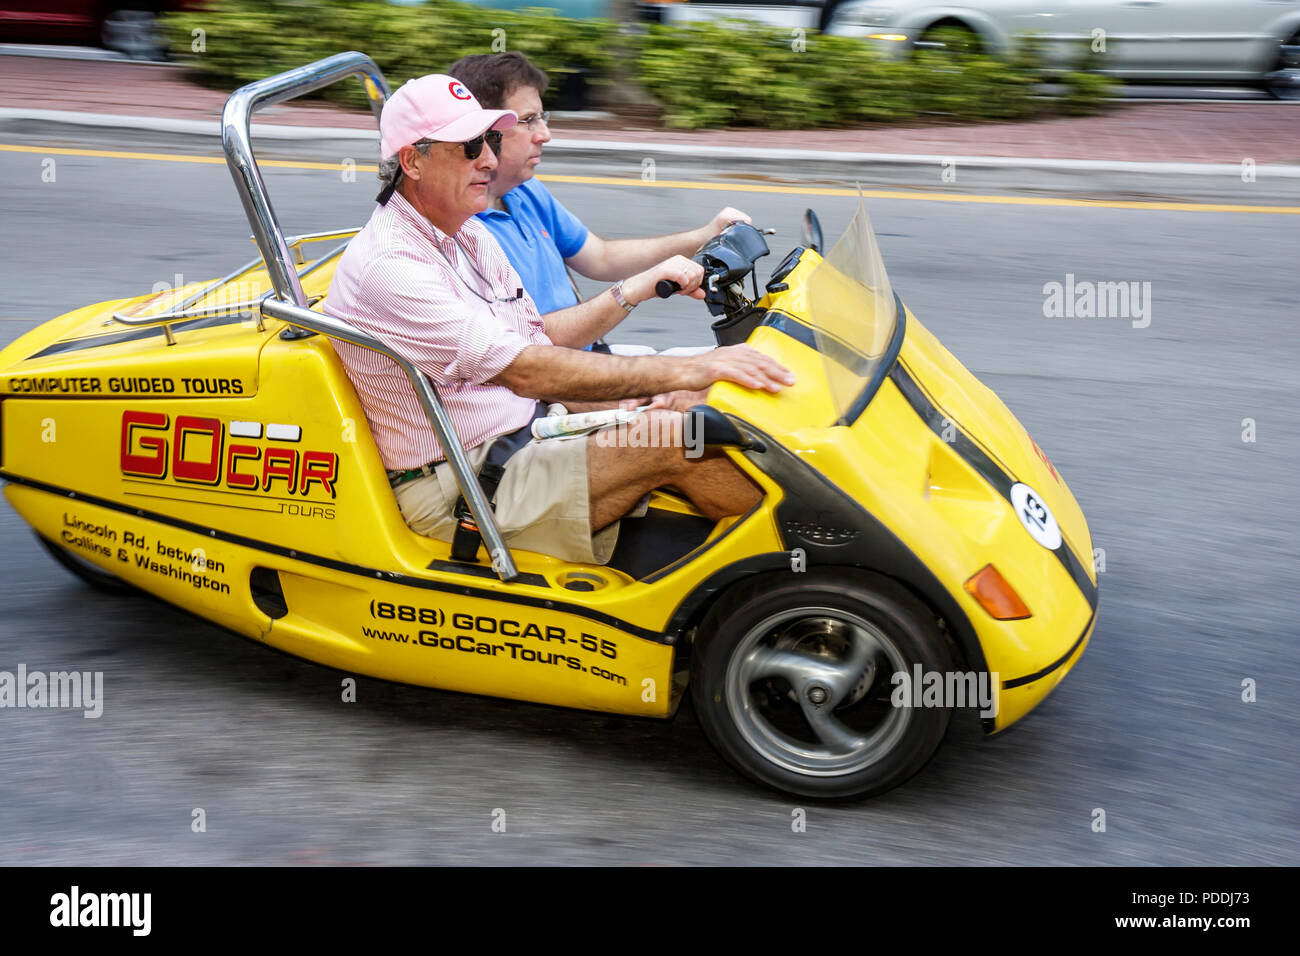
{"points": [[1279, 83], [133, 30], [92, 574], [821, 626], [827, 15]]}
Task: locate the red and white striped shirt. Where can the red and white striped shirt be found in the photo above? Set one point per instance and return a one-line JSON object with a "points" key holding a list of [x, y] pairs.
{"points": [[404, 281]]}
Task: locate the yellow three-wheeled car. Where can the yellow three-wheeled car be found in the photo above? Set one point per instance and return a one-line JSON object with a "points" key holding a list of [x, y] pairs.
{"points": [[914, 552]]}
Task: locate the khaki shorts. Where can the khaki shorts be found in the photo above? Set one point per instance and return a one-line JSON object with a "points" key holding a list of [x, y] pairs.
{"points": [[543, 503]]}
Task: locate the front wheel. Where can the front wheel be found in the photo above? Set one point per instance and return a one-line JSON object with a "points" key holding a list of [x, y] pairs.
{"points": [[793, 678]]}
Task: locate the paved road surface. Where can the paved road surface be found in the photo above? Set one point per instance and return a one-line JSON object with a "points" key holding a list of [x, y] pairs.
{"points": [[1199, 529]]}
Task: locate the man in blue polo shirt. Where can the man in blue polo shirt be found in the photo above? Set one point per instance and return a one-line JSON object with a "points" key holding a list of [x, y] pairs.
{"points": [[538, 234]]}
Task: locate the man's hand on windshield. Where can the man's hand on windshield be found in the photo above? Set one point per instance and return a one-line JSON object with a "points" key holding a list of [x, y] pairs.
{"points": [[679, 269], [735, 363]]}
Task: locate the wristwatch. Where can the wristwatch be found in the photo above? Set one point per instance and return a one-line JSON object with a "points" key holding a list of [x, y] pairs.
{"points": [[616, 290]]}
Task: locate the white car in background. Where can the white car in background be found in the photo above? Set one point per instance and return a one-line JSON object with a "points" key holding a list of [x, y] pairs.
{"points": [[774, 13], [1185, 40]]}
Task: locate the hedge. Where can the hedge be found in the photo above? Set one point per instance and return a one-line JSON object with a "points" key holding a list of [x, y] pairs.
{"points": [[725, 73]]}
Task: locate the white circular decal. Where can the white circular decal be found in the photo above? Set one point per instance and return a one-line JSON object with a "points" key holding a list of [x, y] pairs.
{"points": [[1035, 516]]}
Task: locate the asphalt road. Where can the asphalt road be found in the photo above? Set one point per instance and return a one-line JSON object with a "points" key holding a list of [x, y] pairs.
{"points": [[1199, 591]]}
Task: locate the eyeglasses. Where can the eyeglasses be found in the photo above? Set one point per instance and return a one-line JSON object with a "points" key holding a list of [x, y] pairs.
{"points": [[532, 119]]}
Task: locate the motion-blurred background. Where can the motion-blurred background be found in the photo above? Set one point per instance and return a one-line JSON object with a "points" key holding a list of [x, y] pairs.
{"points": [[1002, 146]]}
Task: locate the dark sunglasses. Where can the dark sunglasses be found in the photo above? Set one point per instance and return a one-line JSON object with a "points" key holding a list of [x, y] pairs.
{"points": [[473, 150], [474, 147]]}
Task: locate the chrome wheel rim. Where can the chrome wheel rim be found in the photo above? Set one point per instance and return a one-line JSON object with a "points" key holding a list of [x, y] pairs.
{"points": [[809, 691]]}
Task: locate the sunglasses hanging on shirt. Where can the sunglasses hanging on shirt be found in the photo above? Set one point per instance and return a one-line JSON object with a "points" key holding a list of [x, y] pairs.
{"points": [[519, 293]]}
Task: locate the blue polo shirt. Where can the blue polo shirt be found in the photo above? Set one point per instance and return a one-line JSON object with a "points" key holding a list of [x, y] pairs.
{"points": [[538, 234]]}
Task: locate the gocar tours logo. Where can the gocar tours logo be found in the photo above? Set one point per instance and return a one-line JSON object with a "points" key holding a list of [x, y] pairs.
{"points": [[458, 90]]}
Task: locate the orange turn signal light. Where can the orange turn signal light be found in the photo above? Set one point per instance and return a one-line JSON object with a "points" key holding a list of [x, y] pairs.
{"points": [[996, 596]]}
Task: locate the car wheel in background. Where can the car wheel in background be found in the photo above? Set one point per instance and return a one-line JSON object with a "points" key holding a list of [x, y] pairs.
{"points": [[949, 36], [134, 33], [1284, 80], [827, 14]]}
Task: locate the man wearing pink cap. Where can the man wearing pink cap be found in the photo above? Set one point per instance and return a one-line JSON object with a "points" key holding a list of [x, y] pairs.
{"points": [[426, 278]]}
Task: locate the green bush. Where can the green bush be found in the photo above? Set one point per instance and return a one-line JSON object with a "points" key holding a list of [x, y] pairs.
{"points": [[726, 73], [743, 74], [1085, 93], [247, 40], [736, 73]]}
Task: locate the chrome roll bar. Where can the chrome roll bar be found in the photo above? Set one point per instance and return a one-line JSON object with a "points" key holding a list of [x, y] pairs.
{"points": [[289, 304], [236, 140], [248, 308]]}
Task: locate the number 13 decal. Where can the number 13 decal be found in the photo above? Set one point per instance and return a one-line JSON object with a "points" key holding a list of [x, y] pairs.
{"points": [[1035, 516]]}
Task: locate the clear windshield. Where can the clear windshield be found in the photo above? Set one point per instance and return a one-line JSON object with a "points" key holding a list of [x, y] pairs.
{"points": [[851, 309]]}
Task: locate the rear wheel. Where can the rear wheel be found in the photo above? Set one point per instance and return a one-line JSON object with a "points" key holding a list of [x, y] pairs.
{"points": [[793, 677], [92, 574]]}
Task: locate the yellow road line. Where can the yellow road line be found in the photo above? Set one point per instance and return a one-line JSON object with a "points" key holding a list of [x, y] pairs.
{"points": [[172, 157], [912, 195], [927, 196]]}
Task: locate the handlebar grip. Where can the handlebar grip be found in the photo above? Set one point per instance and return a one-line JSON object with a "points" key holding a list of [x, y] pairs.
{"points": [[666, 287]]}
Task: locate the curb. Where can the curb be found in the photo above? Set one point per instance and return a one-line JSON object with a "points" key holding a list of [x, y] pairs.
{"points": [[609, 148], [50, 51], [183, 127]]}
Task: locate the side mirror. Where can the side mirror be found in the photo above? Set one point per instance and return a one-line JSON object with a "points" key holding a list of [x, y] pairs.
{"points": [[812, 231]]}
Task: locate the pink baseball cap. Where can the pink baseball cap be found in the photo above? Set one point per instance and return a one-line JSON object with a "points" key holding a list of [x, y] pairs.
{"points": [[436, 107]]}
